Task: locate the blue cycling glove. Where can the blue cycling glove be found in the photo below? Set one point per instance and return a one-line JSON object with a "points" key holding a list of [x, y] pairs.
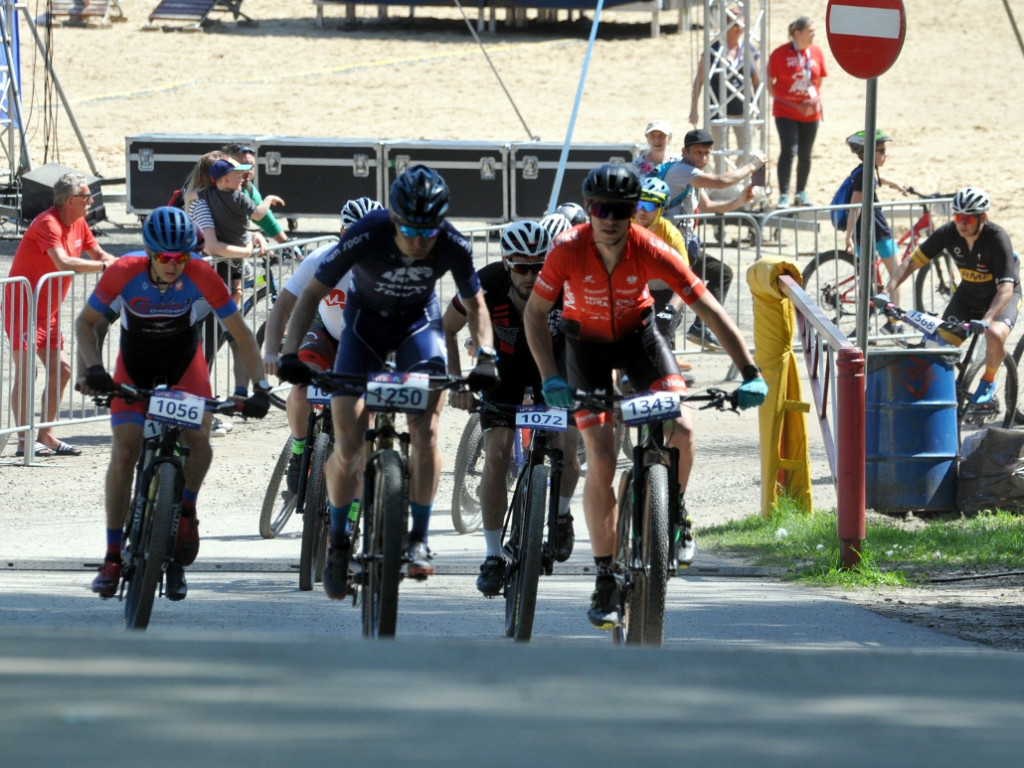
{"points": [[557, 392], [751, 393]]}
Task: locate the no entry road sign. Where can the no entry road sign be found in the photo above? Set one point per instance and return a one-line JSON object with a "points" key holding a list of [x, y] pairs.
{"points": [[866, 36]]}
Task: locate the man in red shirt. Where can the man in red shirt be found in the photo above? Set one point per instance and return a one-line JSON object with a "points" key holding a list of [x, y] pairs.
{"points": [[602, 270], [55, 241]]}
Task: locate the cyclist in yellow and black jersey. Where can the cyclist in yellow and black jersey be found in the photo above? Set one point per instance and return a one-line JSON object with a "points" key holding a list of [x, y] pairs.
{"points": [[989, 293]]}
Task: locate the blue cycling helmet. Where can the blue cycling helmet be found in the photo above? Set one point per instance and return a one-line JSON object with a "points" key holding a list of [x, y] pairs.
{"points": [[168, 230], [419, 197]]}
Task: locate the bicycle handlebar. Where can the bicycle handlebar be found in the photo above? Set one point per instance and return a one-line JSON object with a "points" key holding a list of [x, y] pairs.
{"points": [[715, 398], [132, 394], [929, 324], [331, 381]]}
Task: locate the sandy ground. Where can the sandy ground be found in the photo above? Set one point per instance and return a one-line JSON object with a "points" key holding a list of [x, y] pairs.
{"points": [[426, 78]]}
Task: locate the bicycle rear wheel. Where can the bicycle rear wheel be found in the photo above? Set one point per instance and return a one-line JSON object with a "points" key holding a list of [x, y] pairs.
{"points": [[1003, 408], [647, 598], [521, 594], [467, 513], [277, 510], [831, 282], [387, 523], [152, 545], [935, 283], [313, 551]]}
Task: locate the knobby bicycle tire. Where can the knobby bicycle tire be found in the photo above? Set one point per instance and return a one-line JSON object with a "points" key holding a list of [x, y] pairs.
{"points": [[388, 521], [1018, 356], [623, 548], [153, 547], [467, 512], [521, 597], [272, 524], [647, 599], [313, 550], [1006, 390], [935, 283]]}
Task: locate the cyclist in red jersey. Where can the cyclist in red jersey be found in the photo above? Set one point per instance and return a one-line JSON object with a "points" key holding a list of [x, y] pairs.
{"points": [[602, 270]]}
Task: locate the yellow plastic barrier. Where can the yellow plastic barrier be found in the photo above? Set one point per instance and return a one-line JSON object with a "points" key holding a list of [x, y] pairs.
{"points": [[785, 458]]}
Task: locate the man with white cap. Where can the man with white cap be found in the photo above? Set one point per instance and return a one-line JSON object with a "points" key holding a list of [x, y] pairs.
{"points": [[659, 136]]}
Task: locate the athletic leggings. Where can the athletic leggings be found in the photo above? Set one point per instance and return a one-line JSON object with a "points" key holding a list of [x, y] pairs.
{"points": [[795, 138]]}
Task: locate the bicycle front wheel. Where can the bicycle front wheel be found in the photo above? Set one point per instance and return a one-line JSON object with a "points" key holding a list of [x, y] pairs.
{"points": [[1000, 411], [387, 521], [313, 551], [277, 510], [467, 512], [151, 548], [647, 598], [521, 596], [831, 282], [1018, 356], [935, 284]]}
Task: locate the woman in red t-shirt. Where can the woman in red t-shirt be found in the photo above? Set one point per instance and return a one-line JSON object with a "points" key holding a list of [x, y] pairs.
{"points": [[795, 70]]}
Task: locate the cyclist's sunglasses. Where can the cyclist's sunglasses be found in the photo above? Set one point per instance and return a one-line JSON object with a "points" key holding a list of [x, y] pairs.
{"points": [[620, 211], [525, 269], [648, 206], [408, 231], [171, 258], [967, 219]]}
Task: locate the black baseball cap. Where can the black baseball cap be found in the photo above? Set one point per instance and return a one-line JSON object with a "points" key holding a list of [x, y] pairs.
{"points": [[697, 136]]}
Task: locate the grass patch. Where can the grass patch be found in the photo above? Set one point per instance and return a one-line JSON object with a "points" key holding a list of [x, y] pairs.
{"points": [[893, 553]]}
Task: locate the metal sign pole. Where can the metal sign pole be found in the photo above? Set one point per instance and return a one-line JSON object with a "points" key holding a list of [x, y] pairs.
{"points": [[867, 216]]}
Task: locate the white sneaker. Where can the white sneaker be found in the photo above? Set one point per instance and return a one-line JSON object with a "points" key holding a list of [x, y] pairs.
{"points": [[220, 428], [783, 202]]}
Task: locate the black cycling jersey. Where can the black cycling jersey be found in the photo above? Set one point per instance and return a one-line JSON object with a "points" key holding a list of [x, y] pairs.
{"points": [[991, 261]]}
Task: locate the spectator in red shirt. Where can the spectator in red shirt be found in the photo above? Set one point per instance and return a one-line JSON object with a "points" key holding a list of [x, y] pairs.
{"points": [[795, 70], [57, 240]]}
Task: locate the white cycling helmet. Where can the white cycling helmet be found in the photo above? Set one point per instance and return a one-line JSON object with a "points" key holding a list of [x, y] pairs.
{"points": [[573, 212], [525, 241], [555, 224], [356, 208], [971, 200]]}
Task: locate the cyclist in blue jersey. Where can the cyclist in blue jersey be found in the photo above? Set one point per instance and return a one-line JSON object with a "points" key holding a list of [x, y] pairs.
{"points": [[395, 257]]}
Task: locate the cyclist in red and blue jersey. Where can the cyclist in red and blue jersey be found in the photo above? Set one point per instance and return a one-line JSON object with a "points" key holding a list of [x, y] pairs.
{"points": [[395, 257], [161, 294], [602, 269], [989, 293]]}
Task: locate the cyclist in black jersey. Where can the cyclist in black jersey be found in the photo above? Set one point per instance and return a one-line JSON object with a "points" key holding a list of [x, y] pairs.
{"points": [[507, 285], [989, 294]]}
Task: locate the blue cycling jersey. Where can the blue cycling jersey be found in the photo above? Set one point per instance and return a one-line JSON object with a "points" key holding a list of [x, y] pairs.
{"points": [[388, 284]]}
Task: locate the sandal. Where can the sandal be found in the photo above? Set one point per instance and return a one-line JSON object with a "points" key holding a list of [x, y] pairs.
{"points": [[42, 450], [62, 449]]}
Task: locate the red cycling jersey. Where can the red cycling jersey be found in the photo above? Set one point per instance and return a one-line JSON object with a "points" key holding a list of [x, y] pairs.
{"points": [[603, 306]]}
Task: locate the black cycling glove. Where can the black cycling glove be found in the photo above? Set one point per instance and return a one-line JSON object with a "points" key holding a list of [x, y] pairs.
{"points": [[484, 375], [293, 370], [256, 407], [98, 380]]}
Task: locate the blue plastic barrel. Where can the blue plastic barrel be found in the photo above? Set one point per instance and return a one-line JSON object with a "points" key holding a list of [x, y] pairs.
{"points": [[910, 433]]}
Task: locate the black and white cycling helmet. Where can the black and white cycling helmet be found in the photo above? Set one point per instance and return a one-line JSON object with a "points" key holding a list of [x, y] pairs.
{"points": [[555, 223], [168, 230], [356, 208], [856, 142], [419, 197], [612, 181], [971, 200], [573, 212], [525, 241]]}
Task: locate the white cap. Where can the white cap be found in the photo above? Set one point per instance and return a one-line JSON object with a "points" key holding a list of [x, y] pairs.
{"points": [[659, 125]]}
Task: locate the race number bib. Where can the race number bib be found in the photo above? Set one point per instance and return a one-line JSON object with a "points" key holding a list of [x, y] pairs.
{"points": [[921, 321], [405, 392], [317, 396], [542, 417], [180, 409], [649, 407]]}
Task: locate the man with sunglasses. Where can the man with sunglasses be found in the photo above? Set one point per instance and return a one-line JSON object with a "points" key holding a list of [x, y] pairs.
{"points": [[161, 295], [507, 285], [688, 180], [989, 293], [396, 256], [603, 270]]}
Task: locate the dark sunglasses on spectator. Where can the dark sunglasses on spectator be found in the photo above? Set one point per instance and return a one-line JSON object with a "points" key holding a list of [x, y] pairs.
{"points": [[648, 206], [245, 149], [966, 219], [171, 258], [620, 211], [524, 269], [408, 231]]}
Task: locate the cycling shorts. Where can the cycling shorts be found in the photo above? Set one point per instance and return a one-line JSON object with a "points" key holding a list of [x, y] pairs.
{"points": [[644, 355], [964, 306], [318, 348], [368, 338], [195, 381]]}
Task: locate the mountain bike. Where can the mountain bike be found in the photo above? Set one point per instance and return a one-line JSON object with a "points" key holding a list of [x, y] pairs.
{"points": [[152, 525], [832, 276], [384, 507], [649, 512], [1003, 407]]}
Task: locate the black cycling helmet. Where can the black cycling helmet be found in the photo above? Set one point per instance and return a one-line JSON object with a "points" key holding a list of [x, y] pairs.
{"points": [[419, 197], [856, 141], [168, 230], [573, 212], [612, 181]]}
